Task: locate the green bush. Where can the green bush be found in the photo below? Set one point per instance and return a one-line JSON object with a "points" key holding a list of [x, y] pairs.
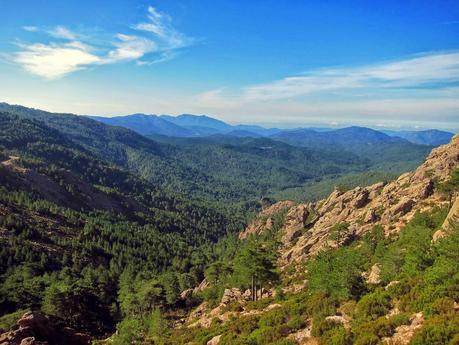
{"points": [[129, 331], [266, 335], [275, 317], [283, 342], [439, 330], [297, 322], [336, 336], [320, 305], [243, 325], [9, 320], [321, 326], [337, 273], [372, 306], [366, 339]]}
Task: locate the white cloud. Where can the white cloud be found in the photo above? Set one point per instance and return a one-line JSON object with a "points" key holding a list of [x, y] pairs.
{"points": [[130, 48], [62, 32], [166, 37], [420, 88], [413, 72], [53, 61], [160, 25], [30, 28], [155, 41]]}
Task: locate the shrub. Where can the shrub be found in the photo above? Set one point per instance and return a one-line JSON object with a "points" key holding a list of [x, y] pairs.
{"points": [[129, 331], [243, 325], [337, 273], [297, 322], [9, 320], [372, 306], [283, 342], [260, 304], [266, 335], [439, 330], [280, 295], [320, 326], [337, 336], [366, 339], [275, 317]]}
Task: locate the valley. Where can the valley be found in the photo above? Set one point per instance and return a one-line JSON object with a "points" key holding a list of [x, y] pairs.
{"points": [[104, 229]]}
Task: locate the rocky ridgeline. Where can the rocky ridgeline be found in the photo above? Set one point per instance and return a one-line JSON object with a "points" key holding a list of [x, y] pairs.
{"points": [[34, 328], [310, 227]]}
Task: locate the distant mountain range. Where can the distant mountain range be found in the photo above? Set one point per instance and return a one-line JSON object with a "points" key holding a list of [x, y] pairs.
{"points": [[192, 126], [185, 125], [432, 137], [227, 162]]}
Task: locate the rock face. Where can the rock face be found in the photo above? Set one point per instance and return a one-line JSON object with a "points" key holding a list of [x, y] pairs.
{"points": [[295, 222], [453, 215], [231, 295], [404, 334], [303, 336], [34, 328], [307, 227], [264, 220], [373, 277], [215, 340]]}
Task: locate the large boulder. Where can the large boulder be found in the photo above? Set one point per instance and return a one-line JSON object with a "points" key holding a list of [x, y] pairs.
{"points": [[404, 334], [215, 340], [231, 295], [35, 328], [373, 277]]}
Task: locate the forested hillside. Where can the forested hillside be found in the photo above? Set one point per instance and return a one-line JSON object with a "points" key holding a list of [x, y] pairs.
{"points": [[104, 230], [71, 224], [217, 168]]}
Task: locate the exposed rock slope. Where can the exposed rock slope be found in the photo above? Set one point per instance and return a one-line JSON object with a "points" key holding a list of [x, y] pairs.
{"points": [[308, 228]]}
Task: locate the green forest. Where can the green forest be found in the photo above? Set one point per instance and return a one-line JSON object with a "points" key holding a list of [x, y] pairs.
{"points": [[104, 229]]}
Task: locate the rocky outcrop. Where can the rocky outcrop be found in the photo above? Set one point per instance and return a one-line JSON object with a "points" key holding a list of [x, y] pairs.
{"points": [[34, 328], [232, 304], [339, 320], [295, 222], [373, 276], [264, 219], [231, 295], [453, 216], [201, 287], [404, 334], [303, 336], [215, 340], [389, 205]]}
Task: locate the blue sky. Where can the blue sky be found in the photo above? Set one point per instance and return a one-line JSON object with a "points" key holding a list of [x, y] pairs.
{"points": [[284, 63]]}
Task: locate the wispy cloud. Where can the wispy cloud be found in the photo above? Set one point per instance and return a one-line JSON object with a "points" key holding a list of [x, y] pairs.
{"points": [[423, 87], [166, 37], [30, 28], [130, 48], [62, 32], [418, 71], [150, 42]]}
